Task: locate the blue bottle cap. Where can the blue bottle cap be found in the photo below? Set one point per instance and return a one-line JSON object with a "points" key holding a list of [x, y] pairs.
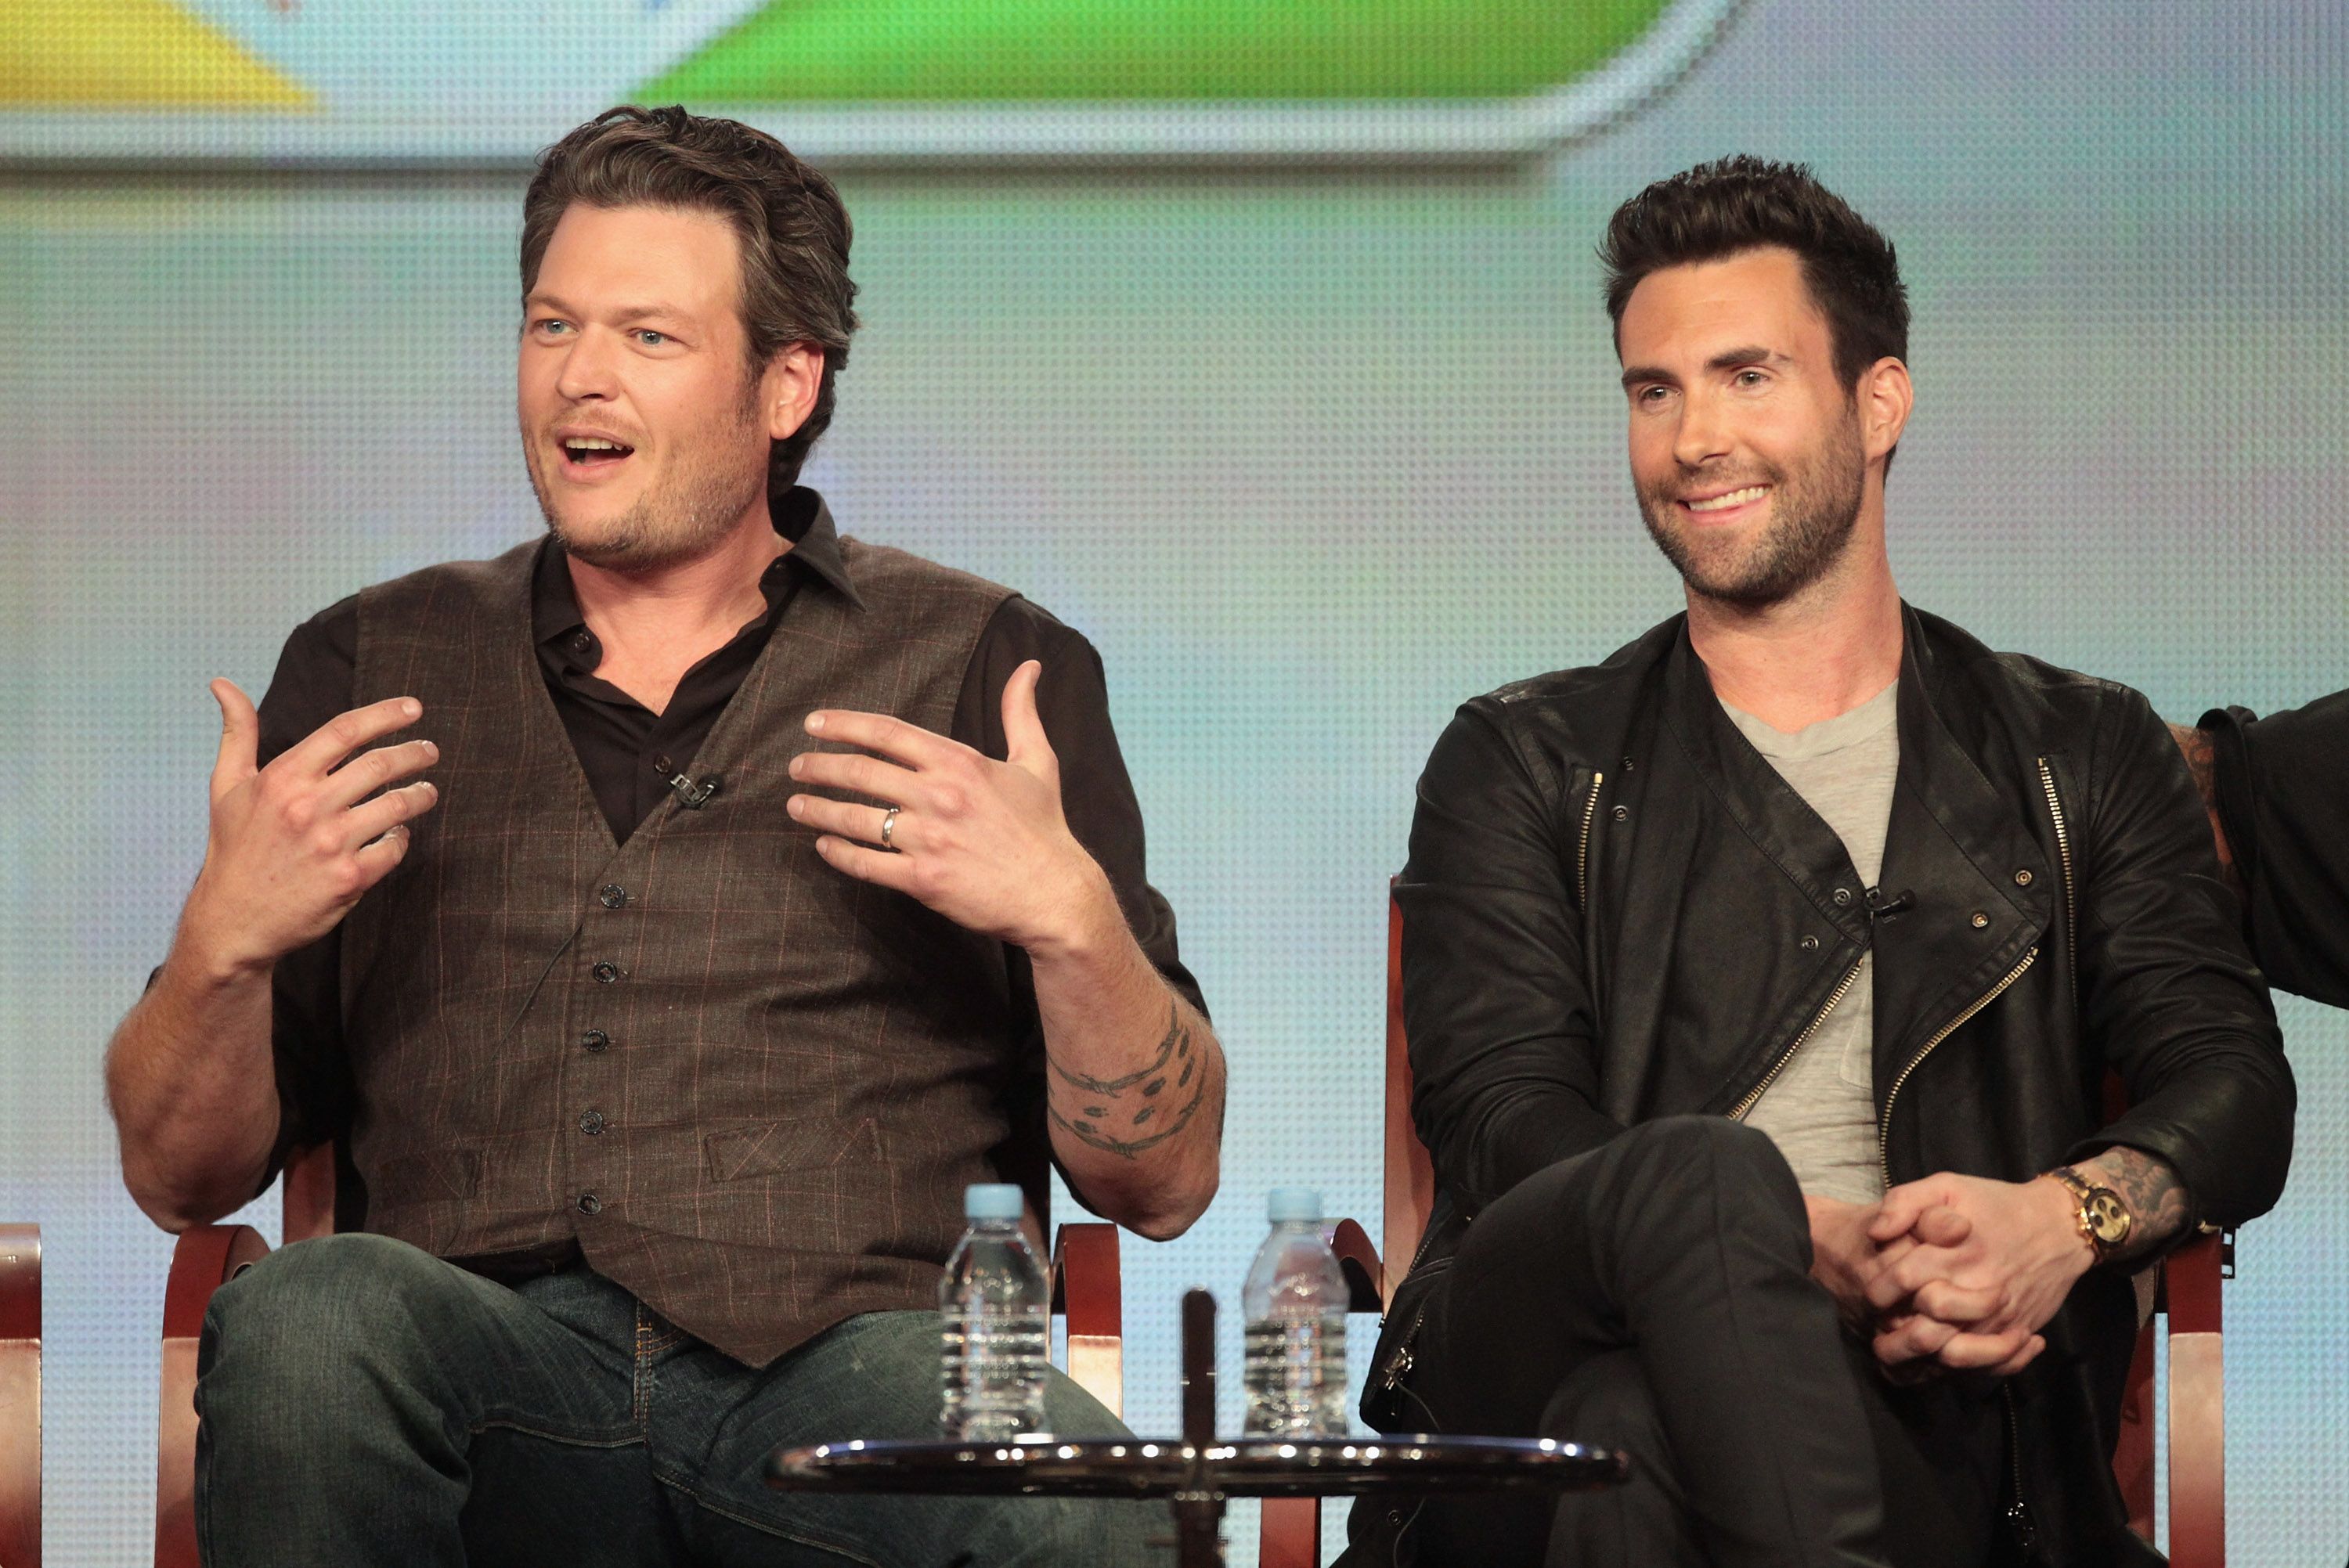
{"points": [[1286, 1204], [992, 1201]]}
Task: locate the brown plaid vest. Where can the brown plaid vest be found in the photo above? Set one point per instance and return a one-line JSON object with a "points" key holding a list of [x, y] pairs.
{"points": [[721, 1065]]}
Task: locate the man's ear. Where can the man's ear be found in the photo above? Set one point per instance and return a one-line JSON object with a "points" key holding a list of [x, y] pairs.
{"points": [[787, 391], [1885, 398]]}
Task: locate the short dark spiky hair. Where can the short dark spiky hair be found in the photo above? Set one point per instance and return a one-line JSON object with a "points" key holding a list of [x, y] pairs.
{"points": [[1742, 204], [793, 230]]}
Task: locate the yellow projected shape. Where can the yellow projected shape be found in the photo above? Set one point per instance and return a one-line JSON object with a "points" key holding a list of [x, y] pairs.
{"points": [[131, 53]]}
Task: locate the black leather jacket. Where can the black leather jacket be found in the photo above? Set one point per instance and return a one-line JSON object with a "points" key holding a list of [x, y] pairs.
{"points": [[1616, 909]]}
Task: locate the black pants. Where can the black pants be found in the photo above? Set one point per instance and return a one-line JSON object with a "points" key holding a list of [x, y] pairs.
{"points": [[1654, 1295]]}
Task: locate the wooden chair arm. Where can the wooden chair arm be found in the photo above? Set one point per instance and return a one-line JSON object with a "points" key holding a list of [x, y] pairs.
{"points": [[1357, 1259], [2198, 1411], [1290, 1533], [1086, 1286], [20, 1395], [204, 1259]]}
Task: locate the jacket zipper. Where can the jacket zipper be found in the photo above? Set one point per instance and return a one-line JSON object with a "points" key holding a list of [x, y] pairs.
{"points": [[2018, 1512], [2063, 855], [1884, 1125], [1582, 851], [1842, 986]]}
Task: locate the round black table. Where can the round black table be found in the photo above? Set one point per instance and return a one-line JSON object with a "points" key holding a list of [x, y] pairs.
{"points": [[1198, 1477], [1196, 1473]]}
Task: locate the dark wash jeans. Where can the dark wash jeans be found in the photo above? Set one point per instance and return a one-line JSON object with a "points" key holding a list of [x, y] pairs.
{"points": [[1654, 1295], [364, 1403]]}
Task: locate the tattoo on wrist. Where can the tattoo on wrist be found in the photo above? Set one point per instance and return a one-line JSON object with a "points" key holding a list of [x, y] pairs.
{"points": [[2158, 1205], [1125, 1115]]}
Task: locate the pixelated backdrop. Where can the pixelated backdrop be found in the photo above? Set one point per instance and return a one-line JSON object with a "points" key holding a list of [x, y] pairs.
{"points": [[1262, 344]]}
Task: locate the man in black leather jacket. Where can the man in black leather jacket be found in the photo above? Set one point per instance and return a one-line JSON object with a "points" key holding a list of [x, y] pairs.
{"points": [[1895, 1327]]}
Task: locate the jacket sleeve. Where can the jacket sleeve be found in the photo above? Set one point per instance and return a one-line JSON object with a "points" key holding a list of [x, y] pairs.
{"points": [[2284, 794], [1505, 1074], [2167, 987]]}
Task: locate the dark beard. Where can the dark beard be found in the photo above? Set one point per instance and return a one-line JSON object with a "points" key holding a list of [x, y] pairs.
{"points": [[680, 523], [1816, 513]]}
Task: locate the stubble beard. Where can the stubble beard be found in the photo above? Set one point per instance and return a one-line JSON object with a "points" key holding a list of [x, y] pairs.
{"points": [[1813, 513], [681, 518]]}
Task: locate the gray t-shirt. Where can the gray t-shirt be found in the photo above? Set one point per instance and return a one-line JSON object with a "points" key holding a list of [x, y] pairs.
{"points": [[1821, 1108]]}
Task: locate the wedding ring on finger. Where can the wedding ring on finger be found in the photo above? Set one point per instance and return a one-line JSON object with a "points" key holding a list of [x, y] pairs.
{"points": [[889, 830]]}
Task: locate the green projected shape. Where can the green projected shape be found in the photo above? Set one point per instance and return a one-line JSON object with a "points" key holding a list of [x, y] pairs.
{"points": [[1015, 51]]}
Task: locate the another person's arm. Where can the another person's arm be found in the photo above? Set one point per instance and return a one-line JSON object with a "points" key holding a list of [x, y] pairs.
{"points": [[2277, 790], [192, 1073]]}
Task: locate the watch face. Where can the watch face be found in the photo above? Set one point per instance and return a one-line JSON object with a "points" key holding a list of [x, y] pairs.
{"points": [[2108, 1220]]}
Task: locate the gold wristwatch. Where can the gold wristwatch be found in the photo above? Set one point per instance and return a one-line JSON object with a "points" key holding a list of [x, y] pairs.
{"points": [[2103, 1218]]}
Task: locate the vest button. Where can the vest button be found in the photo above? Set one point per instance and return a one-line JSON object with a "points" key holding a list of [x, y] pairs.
{"points": [[1810, 944], [605, 973], [1842, 897], [595, 1039], [590, 1204], [592, 1123], [612, 895]]}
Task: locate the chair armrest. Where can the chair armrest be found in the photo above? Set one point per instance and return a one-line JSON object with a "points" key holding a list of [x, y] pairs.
{"points": [[20, 1395], [1087, 1287], [2198, 1411], [204, 1259], [1290, 1535], [1358, 1260]]}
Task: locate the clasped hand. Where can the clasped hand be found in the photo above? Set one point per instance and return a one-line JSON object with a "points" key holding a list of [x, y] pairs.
{"points": [[1951, 1272], [982, 842]]}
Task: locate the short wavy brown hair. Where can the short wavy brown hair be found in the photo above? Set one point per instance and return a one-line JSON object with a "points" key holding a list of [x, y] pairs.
{"points": [[794, 233]]}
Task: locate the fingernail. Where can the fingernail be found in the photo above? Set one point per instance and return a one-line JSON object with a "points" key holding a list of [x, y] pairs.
{"points": [[796, 806], [410, 707], [432, 750], [794, 768], [815, 724]]}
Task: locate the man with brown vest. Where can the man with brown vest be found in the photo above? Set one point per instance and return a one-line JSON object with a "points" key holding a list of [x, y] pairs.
{"points": [[780, 886]]}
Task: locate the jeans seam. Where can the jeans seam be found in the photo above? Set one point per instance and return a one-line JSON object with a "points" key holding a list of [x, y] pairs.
{"points": [[640, 1404], [573, 1440]]}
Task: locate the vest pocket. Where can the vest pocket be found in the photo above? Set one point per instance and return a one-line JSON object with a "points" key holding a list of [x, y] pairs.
{"points": [[435, 1175], [762, 1148]]}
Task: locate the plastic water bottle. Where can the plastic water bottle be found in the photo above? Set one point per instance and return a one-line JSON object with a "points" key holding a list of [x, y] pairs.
{"points": [[995, 1307], [1295, 1308]]}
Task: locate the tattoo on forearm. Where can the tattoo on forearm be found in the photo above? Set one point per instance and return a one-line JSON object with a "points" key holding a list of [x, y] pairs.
{"points": [[1107, 1117], [2154, 1194]]}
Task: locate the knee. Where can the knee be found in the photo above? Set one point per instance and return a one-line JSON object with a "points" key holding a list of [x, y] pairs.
{"points": [[1711, 1149], [1706, 1166], [308, 1316]]}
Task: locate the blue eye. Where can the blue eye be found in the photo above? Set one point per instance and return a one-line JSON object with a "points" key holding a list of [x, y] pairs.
{"points": [[650, 338]]}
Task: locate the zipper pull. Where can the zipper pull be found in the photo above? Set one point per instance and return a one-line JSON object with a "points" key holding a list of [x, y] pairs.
{"points": [[2026, 1534], [1397, 1365]]}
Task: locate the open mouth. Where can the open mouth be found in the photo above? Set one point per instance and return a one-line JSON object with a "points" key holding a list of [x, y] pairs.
{"points": [[585, 454]]}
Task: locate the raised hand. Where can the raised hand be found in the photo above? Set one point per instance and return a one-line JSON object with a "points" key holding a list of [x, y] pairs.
{"points": [[982, 842], [294, 845]]}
